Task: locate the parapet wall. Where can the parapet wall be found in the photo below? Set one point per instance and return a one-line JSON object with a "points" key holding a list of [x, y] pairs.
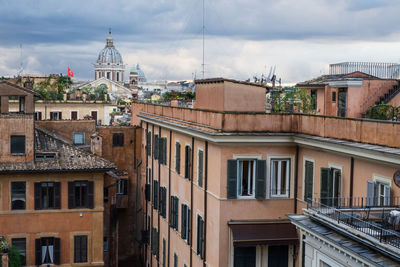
{"points": [[383, 133]]}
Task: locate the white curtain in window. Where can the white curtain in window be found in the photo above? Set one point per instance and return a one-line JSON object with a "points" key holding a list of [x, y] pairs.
{"points": [[51, 254], [44, 250]]}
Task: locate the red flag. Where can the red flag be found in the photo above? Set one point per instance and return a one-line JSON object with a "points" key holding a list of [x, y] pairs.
{"points": [[70, 73]]}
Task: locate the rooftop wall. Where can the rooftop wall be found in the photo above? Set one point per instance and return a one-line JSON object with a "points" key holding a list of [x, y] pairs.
{"points": [[357, 130]]}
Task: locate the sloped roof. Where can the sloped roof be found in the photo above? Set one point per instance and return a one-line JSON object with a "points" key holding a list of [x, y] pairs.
{"points": [[64, 157], [9, 86]]}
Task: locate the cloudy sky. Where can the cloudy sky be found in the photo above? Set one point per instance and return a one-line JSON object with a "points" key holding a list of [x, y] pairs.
{"points": [[243, 37]]}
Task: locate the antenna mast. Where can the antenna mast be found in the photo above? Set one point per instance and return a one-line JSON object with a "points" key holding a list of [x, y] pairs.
{"points": [[203, 41], [21, 67]]}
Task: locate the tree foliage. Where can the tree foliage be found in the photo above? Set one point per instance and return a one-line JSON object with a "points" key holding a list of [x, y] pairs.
{"points": [[382, 112], [53, 89], [292, 100], [14, 258], [175, 95]]}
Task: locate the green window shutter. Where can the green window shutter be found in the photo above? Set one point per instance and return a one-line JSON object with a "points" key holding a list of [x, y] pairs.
{"points": [[165, 151], [176, 213], [325, 186], [165, 203], [178, 158], [232, 179], [188, 222], [183, 221], [198, 234], [260, 179], [155, 195], [148, 143], [156, 149], [308, 180], [200, 168], [336, 186]]}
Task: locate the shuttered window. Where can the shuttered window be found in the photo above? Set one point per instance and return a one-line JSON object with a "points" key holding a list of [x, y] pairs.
{"points": [[80, 194], [200, 168], [147, 192], [174, 205], [246, 179], [47, 195], [308, 180], [163, 202], [80, 248], [200, 237], [188, 155], [163, 150], [185, 220], [154, 241], [178, 157], [175, 260], [148, 143], [155, 194], [118, 139], [330, 186], [156, 146], [378, 193], [163, 252]]}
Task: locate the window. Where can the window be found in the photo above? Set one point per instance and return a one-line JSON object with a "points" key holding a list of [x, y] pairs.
{"points": [[55, 115], [117, 76], [147, 192], [93, 114], [105, 244], [188, 162], [308, 180], [378, 193], [17, 145], [108, 75], [245, 257], [118, 139], [330, 186], [246, 178], [178, 157], [20, 245], [74, 115], [185, 220], [47, 195], [162, 150], [155, 194], [80, 248], [47, 250], [278, 256], [38, 116], [200, 168], [154, 241], [18, 197], [314, 99], [175, 260], [163, 252], [174, 212], [79, 138], [200, 237], [80, 194], [148, 143], [156, 146], [105, 194], [163, 202], [280, 177], [334, 96], [122, 187]]}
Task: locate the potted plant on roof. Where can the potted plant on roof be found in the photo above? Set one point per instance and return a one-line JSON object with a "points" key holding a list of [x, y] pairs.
{"points": [[4, 247]]}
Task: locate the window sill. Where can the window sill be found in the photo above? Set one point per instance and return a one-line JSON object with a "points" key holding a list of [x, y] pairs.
{"points": [[17, 154]]}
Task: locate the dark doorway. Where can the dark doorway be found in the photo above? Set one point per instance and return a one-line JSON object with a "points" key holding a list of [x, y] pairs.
{"points": [[278, 256], [245, 257], [342, 102]]}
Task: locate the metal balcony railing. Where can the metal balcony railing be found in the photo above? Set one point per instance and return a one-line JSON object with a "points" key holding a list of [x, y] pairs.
{"points": [[370, 216]]}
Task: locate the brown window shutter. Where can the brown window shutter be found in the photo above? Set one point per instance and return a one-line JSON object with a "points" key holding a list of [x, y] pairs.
{"points": [[57, 251], [38, 251], [57, 195], [37, 196], [71, 195], [90, 195]]}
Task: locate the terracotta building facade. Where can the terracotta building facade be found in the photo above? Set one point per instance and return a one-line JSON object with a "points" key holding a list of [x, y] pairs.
{"points": [[218, 182]]}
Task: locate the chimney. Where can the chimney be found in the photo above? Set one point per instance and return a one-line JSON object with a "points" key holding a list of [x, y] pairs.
{"points": [[96, 144]]}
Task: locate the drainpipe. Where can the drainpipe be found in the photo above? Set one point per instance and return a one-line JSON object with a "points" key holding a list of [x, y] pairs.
{"points": [[169, 194], [205, 204], [158, 210], [191, 204], [296, 177], [351, 180], [145, 201]]}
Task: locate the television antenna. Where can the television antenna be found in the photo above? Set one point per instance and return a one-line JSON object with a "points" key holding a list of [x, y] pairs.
{"points": [[21, 67]]}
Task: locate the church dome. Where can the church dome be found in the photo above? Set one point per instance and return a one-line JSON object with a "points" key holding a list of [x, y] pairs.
{"points": [[109, 54]]}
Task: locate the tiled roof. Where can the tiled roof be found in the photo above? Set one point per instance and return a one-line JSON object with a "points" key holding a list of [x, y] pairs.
{"points": [[61, 156]]}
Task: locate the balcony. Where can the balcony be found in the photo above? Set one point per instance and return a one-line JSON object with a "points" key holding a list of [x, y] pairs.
{"points": [[374, 221]]}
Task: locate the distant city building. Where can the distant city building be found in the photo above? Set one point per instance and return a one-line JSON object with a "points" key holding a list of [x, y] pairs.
{"points": [[136, 75], [109, 63]]}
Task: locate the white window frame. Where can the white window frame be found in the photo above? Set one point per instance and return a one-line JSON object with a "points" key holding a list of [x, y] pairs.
{"points": [[243, 157], [304, 175], [381, 181], [58, 114], [288, 176]]}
